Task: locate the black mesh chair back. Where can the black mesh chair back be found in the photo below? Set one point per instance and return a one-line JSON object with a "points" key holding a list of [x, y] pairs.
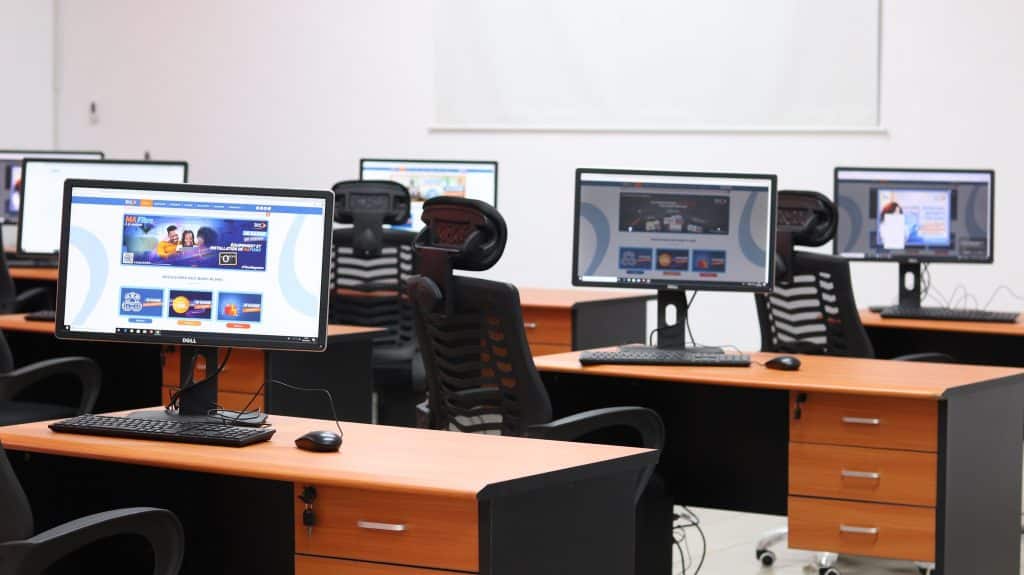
{"points": [[812, 308], [17, 523], [8, 293], [371, 265], [480, 374]]}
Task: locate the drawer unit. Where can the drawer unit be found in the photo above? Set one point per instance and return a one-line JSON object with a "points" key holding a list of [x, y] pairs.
{"points": [[306, 565], [420, 530], [550, 326], [838, 419], [856, 528], [857, 473]]}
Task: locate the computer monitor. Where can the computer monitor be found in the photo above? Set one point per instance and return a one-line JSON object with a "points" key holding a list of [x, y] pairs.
{"points": [[914, 216], [194, 266], [674, 231], [10, 185], [426, 179], [43, 184]]}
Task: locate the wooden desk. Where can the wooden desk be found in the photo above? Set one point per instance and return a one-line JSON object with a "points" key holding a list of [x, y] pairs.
{"points": [[349, 347], [973, 342], [944, 441], [37, 274], [560, 320], [449, 502]]}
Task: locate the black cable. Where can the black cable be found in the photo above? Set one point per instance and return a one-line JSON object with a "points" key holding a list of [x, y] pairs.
{"points": [[692, 520], [330, 398], [190, 382]]}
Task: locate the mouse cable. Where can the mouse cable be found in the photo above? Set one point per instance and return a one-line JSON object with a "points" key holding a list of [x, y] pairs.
{"points": [[232, 418]]}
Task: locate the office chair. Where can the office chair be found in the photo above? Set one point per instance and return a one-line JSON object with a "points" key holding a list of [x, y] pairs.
{"points": [[812, 310], [369, 270], [21, 552], [14, 381], [480, 374], [11, 301]]}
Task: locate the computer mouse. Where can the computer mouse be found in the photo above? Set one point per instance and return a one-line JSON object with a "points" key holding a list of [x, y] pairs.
{"points": [[783, 362], [319, 441]]}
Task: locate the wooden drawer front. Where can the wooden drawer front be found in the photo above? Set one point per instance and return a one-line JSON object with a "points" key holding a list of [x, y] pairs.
{"points": [[864, 421], [306, 565], [227, 399], [872, 529], [548, 326], [244, 373], [391, 527], [537, 349], [882, 475]]}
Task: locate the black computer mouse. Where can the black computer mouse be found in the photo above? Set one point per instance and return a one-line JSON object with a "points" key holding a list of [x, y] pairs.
{"points": [[319, 441], [783, 362]]}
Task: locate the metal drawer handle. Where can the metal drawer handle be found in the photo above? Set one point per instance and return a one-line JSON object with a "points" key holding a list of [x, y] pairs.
{"points": [[530, 324], [861, 474], [380, 526], [858, 530], [863, 420]]}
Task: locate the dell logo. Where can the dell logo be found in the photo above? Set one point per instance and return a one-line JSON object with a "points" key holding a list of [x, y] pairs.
{"points": [[188, 340]]}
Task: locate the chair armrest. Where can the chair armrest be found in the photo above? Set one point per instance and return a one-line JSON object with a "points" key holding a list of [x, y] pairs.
{"points": [[159, 526], [645, 421], [33, 299], [928, 357], [83, 368]]}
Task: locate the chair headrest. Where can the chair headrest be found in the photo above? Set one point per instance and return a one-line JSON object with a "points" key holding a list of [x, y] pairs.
{"points": [[368, 205], [388, 201], [809, 217], [472, 232]]}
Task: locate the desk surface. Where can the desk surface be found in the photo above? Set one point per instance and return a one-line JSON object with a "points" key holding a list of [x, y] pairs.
{"points": [[34, 273], [371, 457], [873, 319], [566, 298], [16, 322], [817, 373]]}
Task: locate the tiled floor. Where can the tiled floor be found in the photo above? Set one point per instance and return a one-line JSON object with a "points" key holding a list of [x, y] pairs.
{"points": [[732, 538]]}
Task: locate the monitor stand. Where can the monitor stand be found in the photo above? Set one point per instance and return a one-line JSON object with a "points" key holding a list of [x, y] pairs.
{"points": [[673, 336], [196, 402], [910, 285]]}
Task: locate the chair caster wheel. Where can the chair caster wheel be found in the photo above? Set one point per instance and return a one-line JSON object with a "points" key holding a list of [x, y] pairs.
{"points": [[828, 571], [766, 557]]}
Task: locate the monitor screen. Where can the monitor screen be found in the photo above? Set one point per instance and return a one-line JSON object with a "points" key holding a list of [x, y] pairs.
{"points": [[10, 175], [43, 185], [922, 215], [674, 230], [202, 265], [426, 179]]}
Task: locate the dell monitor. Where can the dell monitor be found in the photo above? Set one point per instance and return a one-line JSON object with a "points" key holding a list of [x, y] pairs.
{"points": [[914, 216], [674, 231], [198, 266], [10, 184], [43, 186], [426, 179]]}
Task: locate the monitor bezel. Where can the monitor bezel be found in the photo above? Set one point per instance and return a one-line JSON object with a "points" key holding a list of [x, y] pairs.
{"points": [[198, 339], [922, 258], [692, 285], [24, 175], [494, 163]]}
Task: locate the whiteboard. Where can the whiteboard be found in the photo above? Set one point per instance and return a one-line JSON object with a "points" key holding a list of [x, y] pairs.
{"points": [[656, 64]]}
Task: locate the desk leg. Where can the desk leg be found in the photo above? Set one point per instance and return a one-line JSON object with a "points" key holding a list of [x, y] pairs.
{"points": [[981, 433], [580, 527]]}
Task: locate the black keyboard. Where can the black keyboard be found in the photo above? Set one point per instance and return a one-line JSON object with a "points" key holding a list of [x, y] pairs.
{"points": [[42, 315], [949, 314], [649, 356], [161, 430]]}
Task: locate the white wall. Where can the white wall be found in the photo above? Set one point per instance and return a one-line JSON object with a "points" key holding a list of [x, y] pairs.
{"points": [[26, 83], [293, 94]]}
